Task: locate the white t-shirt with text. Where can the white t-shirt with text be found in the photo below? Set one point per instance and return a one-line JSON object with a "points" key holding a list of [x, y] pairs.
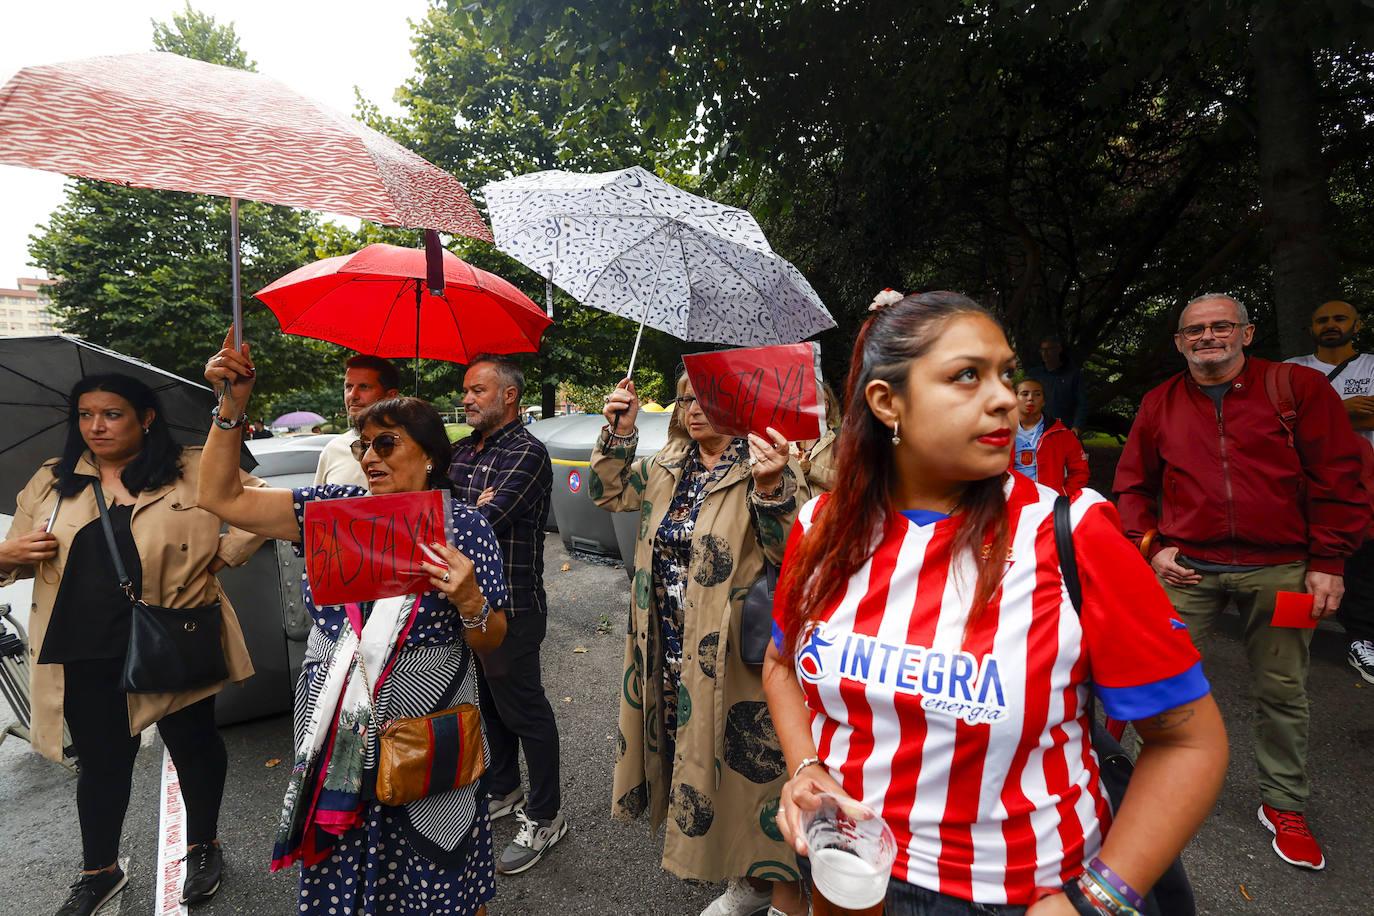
{"points": [[1355, 380]]}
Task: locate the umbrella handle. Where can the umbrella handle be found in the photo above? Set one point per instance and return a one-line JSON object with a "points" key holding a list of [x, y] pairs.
{"points": [[235, 273]]}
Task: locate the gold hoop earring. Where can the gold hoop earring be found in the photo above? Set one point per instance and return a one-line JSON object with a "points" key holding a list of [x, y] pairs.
{"points": [[896, 437]]}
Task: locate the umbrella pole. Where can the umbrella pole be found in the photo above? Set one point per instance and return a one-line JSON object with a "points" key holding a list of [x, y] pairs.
{"points": [[418, 293], [672, 234], [234, 270]]}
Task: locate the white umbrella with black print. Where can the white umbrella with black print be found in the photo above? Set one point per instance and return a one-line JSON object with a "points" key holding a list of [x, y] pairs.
{"points": [[629, 243]]}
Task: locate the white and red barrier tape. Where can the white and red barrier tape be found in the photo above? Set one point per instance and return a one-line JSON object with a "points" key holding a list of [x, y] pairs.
{"points": [[171, 844]]}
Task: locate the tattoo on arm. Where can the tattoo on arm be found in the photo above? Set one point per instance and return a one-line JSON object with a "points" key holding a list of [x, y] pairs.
{"points": [[1165, 721]]}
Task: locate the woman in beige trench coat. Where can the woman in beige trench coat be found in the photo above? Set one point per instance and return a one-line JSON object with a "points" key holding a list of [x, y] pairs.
{"points": [[697, 747], [78, 623]]}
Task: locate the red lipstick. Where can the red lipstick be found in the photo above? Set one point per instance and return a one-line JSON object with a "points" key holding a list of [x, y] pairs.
{"points": [[999, 438]]}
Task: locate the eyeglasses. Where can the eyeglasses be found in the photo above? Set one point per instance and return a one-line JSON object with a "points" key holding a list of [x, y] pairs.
{"points": [[1218, 329], [687, 402], [382, 446]]}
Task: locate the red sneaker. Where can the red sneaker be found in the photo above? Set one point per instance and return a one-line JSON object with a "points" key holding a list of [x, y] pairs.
{"points": [[1292, 840]]}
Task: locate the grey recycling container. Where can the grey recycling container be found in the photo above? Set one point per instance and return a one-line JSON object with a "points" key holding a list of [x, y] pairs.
{"points": [[544, 430]]}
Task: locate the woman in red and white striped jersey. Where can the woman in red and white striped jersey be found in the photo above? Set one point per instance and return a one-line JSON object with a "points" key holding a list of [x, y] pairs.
{"points": [[928, 661]]}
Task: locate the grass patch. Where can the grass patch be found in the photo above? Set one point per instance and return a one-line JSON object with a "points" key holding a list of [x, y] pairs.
{"points": [[1102, 440], [457, 431]]}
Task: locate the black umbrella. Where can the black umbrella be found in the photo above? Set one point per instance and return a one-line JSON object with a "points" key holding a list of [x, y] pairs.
{"points": [[36, 373]]}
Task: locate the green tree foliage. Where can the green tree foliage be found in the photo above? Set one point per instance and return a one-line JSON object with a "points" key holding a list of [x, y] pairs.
{"points": [[1083, 168], [147, 272], [486, 113]]}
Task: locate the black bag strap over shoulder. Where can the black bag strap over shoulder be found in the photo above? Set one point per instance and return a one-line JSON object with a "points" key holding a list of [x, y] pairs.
{"points": [[1063, 543], [1172, 895], [1340, 367], [124, 581], [1068, 568]]}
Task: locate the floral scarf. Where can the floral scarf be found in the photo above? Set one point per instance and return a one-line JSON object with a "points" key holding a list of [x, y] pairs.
{"points": [[324, 797]]}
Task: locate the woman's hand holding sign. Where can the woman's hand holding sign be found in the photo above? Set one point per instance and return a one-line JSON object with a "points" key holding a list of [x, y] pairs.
{"points": [[453, 574], [767, 460]]}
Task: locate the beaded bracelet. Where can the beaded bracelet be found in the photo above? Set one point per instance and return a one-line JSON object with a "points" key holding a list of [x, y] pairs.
{"points": [[223, 423], [1104, 875], [770, 495]]}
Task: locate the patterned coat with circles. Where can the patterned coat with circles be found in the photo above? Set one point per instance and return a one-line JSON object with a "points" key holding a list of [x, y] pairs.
{"points": [[719, 792]]}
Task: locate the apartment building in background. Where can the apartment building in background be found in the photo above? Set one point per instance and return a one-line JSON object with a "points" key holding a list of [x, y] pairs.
{"points": [[25, 310]]}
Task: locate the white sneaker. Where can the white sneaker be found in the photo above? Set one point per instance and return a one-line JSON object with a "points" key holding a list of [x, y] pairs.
{"points": [[739, 899], [531, 841], [501, 805]]}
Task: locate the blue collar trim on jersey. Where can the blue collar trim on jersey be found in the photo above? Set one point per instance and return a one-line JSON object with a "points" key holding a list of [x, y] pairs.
{"points": [[923, 517]]}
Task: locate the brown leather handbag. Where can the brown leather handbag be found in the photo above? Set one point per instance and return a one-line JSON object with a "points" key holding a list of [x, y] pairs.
{"points": [[430, 754]]}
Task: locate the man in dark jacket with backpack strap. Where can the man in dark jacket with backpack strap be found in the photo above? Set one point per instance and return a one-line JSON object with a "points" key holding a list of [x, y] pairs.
{"points": [[1237, 494]]}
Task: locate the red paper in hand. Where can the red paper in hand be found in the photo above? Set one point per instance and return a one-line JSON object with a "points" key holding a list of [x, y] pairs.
{"points": [[366, 547], [744, 391], [1294, 609]]}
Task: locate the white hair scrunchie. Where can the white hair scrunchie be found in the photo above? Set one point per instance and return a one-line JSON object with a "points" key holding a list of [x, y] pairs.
{"points": [[885, 298]]}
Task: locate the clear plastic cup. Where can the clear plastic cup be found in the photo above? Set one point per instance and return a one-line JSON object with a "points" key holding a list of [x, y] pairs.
{"points": [[851, 850]]}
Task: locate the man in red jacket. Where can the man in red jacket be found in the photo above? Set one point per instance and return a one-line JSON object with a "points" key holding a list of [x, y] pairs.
{"points": [[1229, 506], [1046, 451]]}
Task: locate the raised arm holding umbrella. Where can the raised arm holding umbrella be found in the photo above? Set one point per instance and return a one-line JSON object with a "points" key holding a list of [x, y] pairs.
{"points": [[350, 844]]}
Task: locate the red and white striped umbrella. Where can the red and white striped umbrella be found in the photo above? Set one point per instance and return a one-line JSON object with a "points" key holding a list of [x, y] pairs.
{"points": [[163, 121]]}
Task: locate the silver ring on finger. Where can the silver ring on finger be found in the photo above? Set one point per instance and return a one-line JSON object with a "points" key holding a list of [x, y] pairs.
{"points": [[447, 576], [753, 460]]}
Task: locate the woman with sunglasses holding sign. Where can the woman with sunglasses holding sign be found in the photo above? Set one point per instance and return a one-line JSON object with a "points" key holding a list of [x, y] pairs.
{"points": [[120, 464], [698, 748], [930, 663], [373, 662]]}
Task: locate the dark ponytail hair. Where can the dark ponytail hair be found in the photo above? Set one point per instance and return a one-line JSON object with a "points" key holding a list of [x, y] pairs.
{"points": [[421, 423], [159, 462], [843, 535]]}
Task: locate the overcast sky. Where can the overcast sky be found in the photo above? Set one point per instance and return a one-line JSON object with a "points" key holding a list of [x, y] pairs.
{"points": [[321, 49]]}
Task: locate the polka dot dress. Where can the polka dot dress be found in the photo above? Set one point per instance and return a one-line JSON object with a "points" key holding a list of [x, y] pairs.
{"points": [[374, 869], [374, 872]]}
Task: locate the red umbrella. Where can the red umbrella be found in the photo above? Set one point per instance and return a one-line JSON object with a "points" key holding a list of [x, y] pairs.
{"points": [[375, 301], [159, 120]]}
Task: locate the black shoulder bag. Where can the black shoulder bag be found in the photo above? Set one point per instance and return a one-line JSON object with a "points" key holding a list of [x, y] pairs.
{"points": [[756, 616], [1172, 894], [170, 649]]}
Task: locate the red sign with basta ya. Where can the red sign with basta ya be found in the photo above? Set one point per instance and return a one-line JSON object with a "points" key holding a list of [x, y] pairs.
{"points": [[366, 547], [751, 389]]}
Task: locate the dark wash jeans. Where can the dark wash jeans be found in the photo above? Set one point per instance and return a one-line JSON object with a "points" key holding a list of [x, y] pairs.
{"points": [[909, 900]]}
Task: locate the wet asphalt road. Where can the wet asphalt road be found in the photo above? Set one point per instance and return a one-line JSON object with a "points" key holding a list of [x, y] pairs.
{"points": [[602, 867]]}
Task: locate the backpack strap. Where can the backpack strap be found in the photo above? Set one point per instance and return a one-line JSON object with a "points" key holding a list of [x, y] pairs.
{"points": [[1278, 385], [1063, 544]]}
